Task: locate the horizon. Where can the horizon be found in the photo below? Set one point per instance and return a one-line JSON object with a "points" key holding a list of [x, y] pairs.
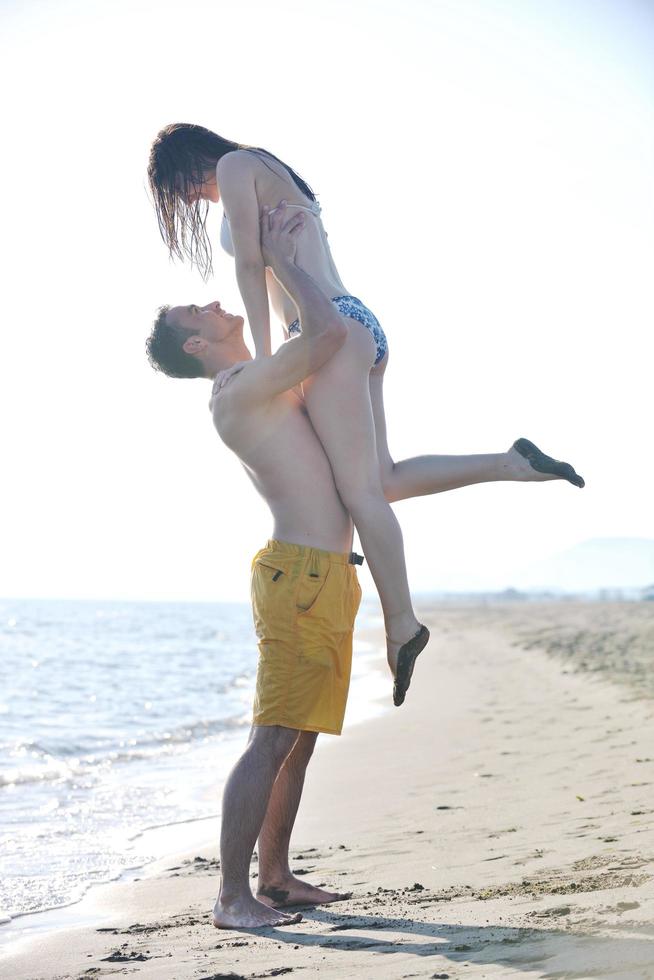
{"points": [[628, 591]]}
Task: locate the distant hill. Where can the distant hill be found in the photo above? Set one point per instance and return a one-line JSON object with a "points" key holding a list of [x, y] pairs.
{"points": [[601, 563]]}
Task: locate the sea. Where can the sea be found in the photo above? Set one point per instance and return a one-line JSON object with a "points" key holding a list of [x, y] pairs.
{"points": [[117, 719]]}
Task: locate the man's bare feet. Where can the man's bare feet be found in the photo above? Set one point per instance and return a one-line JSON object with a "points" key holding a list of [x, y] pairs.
{"points": [[247, 913], [526, 462], [292, 891]]}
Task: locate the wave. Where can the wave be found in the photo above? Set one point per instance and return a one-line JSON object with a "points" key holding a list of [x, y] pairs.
{"points": [[53, 767]]}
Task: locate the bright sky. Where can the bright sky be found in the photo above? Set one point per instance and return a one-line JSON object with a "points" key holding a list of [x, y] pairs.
{"points": [[485, 171]]}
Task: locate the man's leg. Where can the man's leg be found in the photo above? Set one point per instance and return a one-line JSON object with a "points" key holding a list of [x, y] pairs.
{"points": [[277, 885], [245, 800]]}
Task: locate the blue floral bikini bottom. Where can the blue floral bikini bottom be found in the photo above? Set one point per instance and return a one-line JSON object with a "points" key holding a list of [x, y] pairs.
{"points": [[354, 308]]}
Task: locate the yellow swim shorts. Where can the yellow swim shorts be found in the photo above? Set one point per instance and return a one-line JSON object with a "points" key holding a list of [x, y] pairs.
{"points": [[304, 603]]}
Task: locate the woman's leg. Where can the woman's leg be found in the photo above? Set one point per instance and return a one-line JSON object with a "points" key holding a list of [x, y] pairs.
{"points": [[423, 475], [338, 401]]}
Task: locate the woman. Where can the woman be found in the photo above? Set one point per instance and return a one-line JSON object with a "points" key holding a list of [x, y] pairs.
{"points": [[190, 165]]}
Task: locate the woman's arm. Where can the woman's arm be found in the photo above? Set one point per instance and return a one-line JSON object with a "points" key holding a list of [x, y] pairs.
{"points": [[235, 179]]}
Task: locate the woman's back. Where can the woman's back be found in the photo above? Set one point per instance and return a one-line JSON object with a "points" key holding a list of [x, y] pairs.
{"points": [[273, 183]]}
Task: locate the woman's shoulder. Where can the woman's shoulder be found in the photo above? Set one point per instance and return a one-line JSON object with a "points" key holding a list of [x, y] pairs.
{"points": [[234, 160]]}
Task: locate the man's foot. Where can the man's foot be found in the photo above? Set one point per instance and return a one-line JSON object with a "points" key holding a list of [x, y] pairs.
{"points": [[247, 913], [292, 891], [539, 466], [405, 661]]}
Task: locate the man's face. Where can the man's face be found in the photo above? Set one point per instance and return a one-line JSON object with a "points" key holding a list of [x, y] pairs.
{"points": [[209, 322]]}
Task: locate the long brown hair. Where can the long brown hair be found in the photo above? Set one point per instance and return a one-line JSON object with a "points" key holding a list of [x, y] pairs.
{"points": [[180, 158]]}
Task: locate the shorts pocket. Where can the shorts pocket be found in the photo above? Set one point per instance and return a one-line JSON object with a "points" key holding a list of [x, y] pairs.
{"points": [[272, 598], [331, 615], [272, 570], [310, 588]]}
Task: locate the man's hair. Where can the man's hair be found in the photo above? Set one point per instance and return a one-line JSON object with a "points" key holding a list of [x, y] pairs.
{"points": [[165, 349]]}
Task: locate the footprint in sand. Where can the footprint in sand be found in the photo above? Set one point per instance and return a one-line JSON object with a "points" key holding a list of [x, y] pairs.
{"points": [[559, 910], [626, 907], [534, 856], [118, 957], [350, 944]]}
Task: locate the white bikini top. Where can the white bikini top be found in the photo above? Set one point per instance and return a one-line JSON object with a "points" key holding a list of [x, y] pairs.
{"points": [[226, 231]]}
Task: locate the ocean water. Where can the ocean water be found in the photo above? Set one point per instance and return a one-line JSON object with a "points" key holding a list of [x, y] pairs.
{"points": [[116, 718]]}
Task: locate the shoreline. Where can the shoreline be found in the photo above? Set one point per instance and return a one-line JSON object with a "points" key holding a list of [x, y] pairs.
{"points": [[499, 824], [165, 841]]}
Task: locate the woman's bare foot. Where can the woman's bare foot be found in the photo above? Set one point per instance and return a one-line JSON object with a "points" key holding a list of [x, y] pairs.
{"points": [[525, 461], [292, 891], [405, 661], [400, 629], [247, 913]]}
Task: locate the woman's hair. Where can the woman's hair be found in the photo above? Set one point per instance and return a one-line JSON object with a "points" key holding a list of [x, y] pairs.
{"points": [[181, 157], [165, 349]]}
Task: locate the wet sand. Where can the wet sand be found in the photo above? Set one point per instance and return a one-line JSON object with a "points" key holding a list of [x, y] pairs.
{"points": [[499, 824]]}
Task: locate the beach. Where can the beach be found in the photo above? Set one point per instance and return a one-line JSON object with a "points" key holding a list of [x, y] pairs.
{"points": [[499, 824]]}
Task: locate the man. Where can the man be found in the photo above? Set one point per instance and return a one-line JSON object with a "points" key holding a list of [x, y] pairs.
{"points": [[304, 589]]}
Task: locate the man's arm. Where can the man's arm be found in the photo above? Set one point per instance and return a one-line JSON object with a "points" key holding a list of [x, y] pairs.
{"points": [[323, 329]]}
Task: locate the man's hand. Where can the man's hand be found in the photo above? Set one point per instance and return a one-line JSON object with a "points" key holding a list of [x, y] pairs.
{"points": [[279, 235]]}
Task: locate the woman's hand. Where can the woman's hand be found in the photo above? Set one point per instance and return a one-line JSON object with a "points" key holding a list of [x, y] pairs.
{"points": [[223, 377], [279, 235]]}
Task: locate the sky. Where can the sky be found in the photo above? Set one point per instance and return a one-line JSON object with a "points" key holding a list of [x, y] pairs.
{"points": [[485, 173]]}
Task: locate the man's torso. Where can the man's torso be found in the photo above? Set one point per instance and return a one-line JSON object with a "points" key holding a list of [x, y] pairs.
{"points": [[284, 458]]}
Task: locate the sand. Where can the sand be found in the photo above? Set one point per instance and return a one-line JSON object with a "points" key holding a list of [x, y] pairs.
{"points": [[499, 824]]}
